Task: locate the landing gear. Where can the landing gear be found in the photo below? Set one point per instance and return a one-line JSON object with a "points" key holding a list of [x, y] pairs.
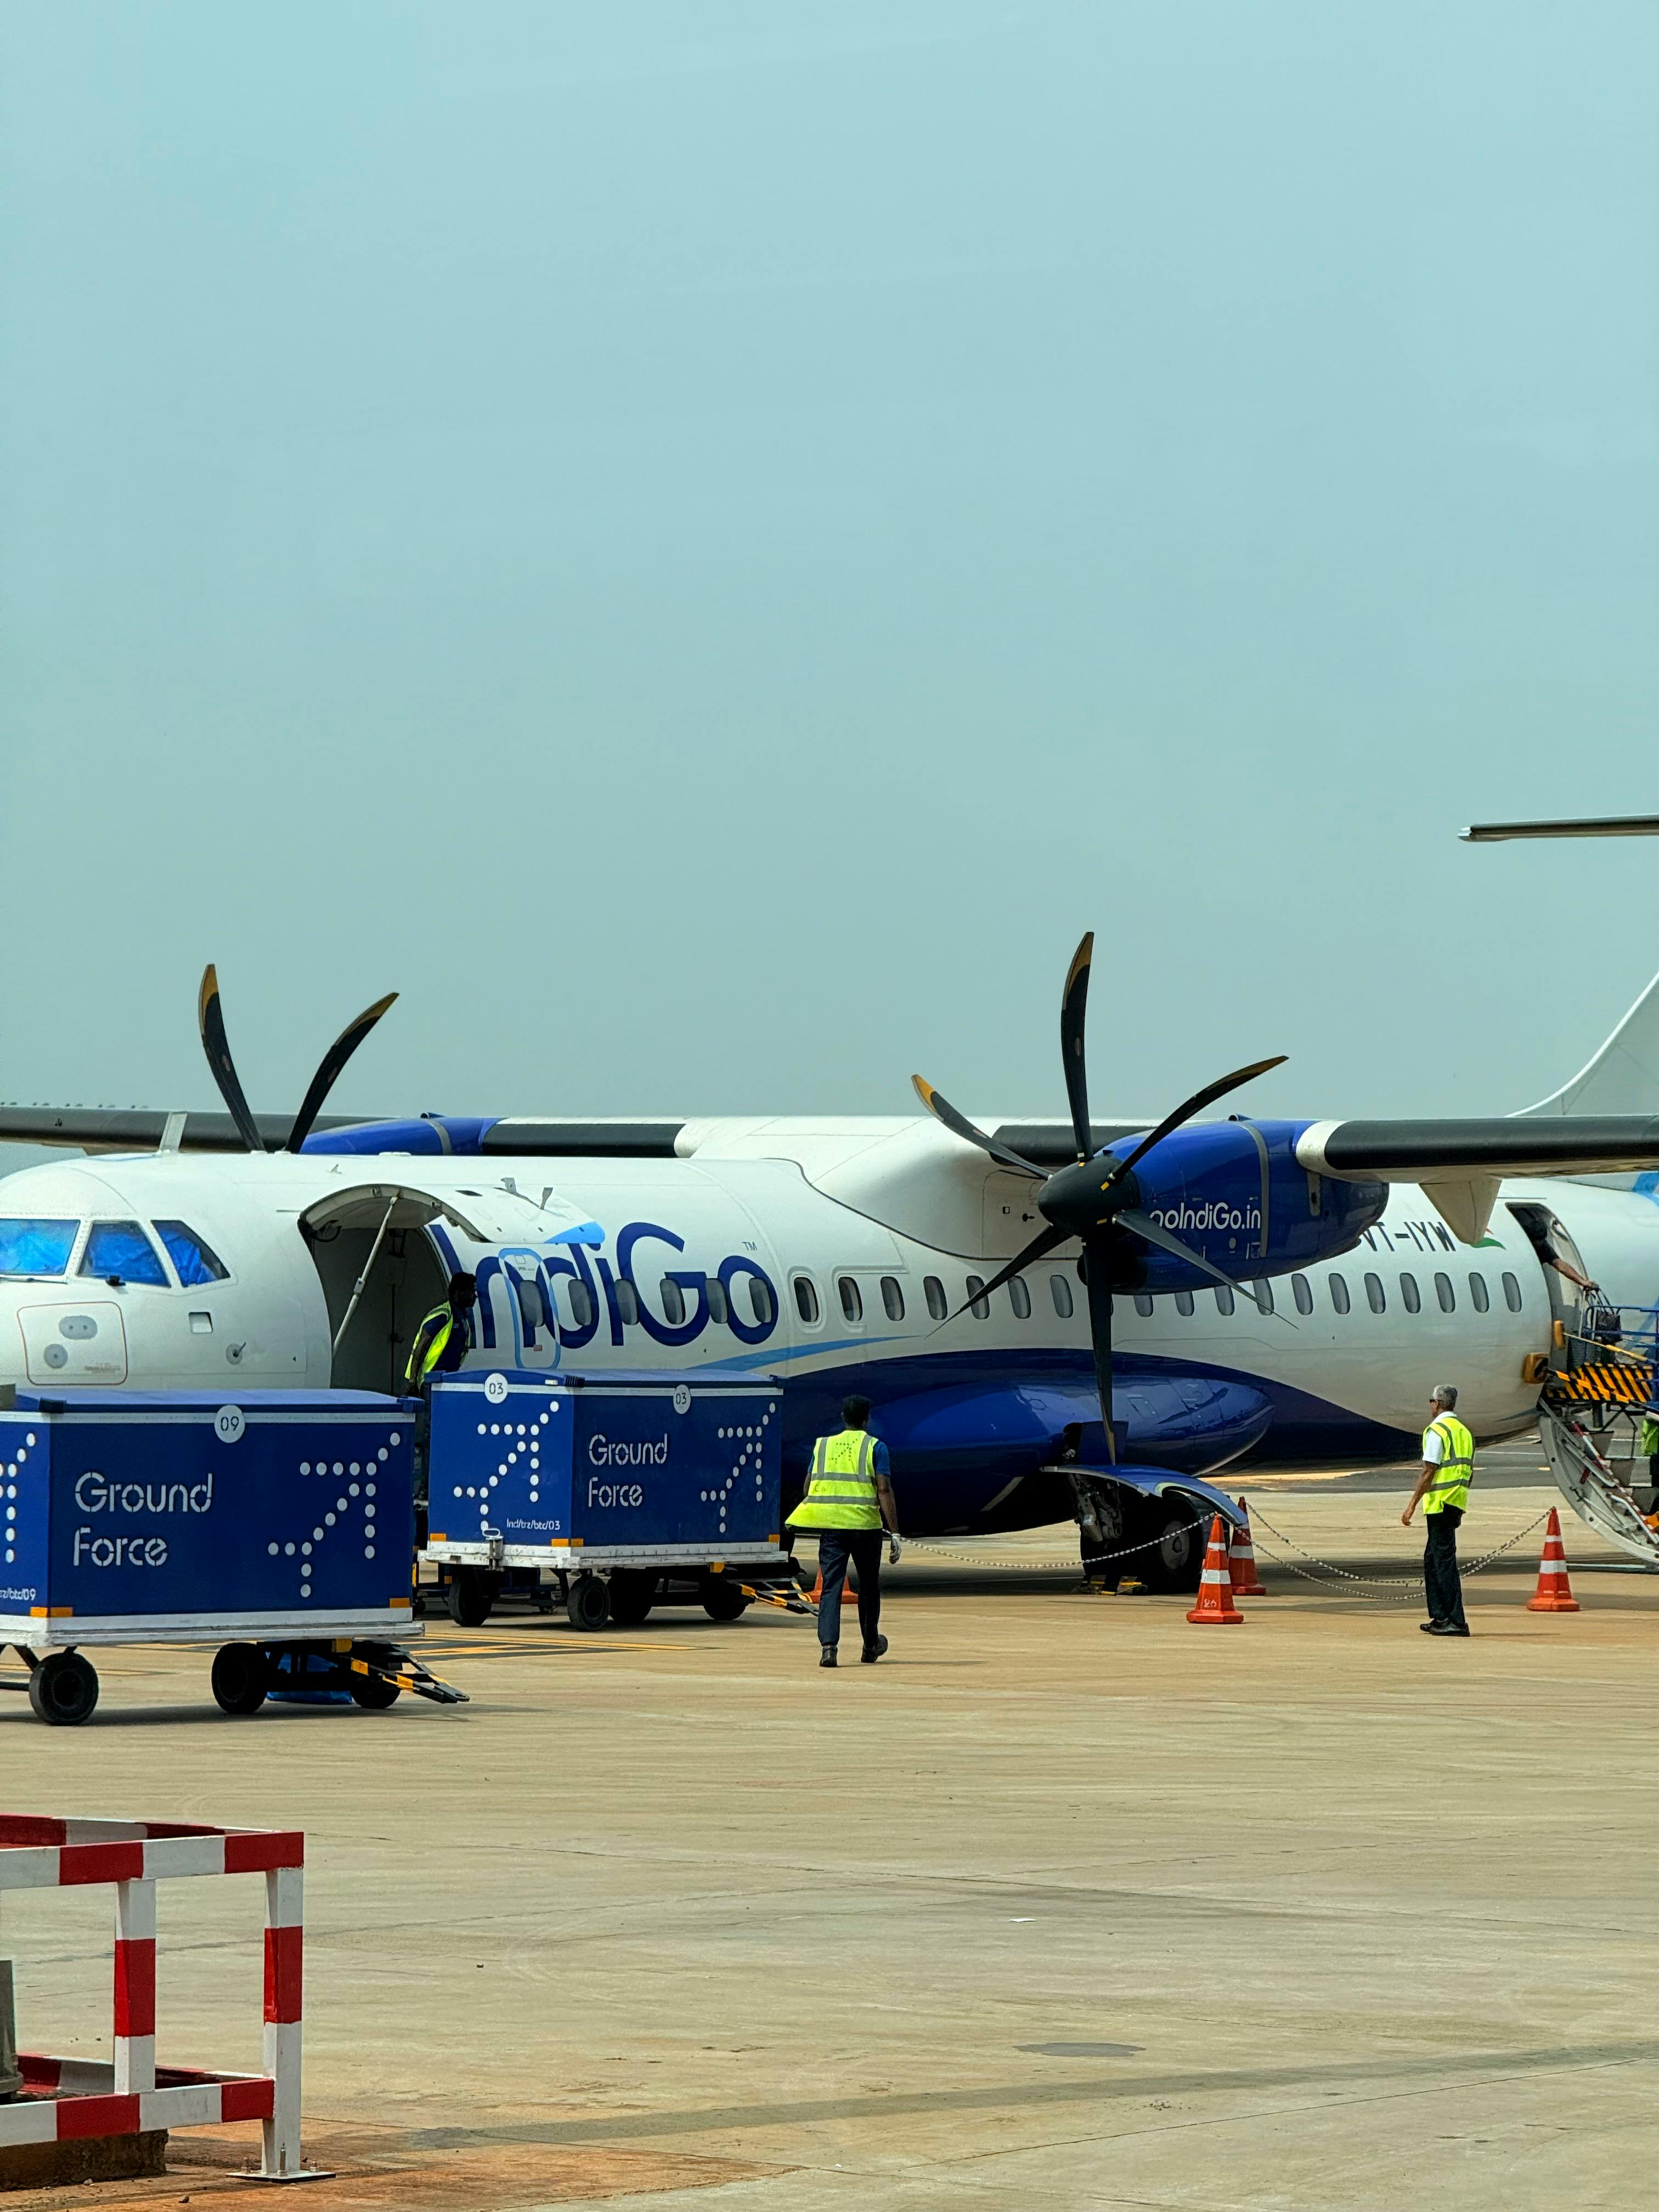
{"points": [[471, 1594], [1176, 1560], [64, 1689], [239, 1678], [589, 1601]]}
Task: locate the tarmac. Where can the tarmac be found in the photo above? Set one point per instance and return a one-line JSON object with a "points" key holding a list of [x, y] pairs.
{"points": [[1064, 1904]]}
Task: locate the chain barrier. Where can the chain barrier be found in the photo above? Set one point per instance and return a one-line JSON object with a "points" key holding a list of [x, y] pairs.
{"points": [[1399, 1590], [1407, 1585], [1088, 1560]]}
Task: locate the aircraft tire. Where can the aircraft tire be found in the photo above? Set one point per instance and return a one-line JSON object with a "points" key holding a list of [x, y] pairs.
{"points": [[1177, 1564], [589, 1601], [64, 1689]]}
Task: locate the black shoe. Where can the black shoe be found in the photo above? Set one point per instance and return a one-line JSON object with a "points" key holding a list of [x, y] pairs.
{"points": [[827, 1657], [1446, 1628], [872, 1652], [1429, 1627]]}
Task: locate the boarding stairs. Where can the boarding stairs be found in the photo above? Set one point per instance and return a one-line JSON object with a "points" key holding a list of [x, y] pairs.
{"points": [[1590, 1413]]}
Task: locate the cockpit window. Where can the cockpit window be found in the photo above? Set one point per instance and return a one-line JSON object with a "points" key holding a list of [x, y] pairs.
{"points": [[195, 1261], [121, 1247], [36, 1247]]}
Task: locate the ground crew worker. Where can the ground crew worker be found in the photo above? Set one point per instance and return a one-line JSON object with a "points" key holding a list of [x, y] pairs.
{"points": [[849, 1501], [439, 1346], [1647, 1447], [1443, 1490], [442, 1339]]}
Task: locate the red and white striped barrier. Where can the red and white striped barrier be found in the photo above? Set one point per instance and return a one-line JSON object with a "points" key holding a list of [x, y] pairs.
{"points": [[63, 2099]]}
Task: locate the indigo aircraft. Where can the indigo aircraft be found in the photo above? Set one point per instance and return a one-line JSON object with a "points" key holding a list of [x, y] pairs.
{"points": [[1052, 1319]]}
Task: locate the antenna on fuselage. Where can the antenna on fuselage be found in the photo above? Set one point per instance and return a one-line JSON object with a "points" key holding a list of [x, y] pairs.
{"points": [[211, 1020]]}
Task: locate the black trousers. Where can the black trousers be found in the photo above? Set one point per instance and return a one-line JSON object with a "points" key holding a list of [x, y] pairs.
{"points": [[1443, 1584], [863, 1547]]}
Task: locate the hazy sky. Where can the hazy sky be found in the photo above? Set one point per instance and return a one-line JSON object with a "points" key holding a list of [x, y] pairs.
{"points": [[705, 543]]}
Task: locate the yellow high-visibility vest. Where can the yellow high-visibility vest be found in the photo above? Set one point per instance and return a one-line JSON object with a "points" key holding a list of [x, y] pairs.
{"points": [[841, 1489], [434, 1351], [1456, 1472]]}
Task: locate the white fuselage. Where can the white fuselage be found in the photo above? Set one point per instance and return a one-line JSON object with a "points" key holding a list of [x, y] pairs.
{"points": [[859, 1233]]}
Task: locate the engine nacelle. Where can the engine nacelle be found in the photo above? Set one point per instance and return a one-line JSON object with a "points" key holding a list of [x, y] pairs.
{"points": [[1235, 1192]]}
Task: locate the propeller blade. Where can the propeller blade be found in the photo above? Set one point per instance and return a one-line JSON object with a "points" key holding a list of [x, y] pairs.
{"points": [[328, 1072], [1073, 1005], [1043, 1241], [959, 1126], [1100, 1332], [211, 1020], [1143, 1225], [1187, 1108]]}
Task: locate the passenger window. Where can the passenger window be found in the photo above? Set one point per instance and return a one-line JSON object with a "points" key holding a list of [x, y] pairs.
{"points": [[1183, 1302], [979, 1305], [29, 1247], [933, 1291], [1479, 1297], [627, 1302], [1511, 1294], [1061, 1290], [1264, 1295], [852, 1298], [715, 1290], [1409, 1292], [194, 1262], [1144, 1304], [1224, 1298], [1019, 1297], [806, 1300], [1444, 1292], [892, 1297], [121, 1247], [528, 1294], [1374, 1298], [673, 1301], [1302, 1293], [1338, 1287], [760, 1300], [581, 1305]]}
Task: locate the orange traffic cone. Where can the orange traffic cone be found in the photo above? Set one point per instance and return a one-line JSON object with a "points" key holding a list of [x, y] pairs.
{"points": [[1554, 1592], [1241, 1560], [849, 1591], [1215, 1606]]}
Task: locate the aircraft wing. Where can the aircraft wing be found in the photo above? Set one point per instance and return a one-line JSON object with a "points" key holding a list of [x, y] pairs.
{"points": [[140, 1129], [1421, 1152], [1460, 1164]]}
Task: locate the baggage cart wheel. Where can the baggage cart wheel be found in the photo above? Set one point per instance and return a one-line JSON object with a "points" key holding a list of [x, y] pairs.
{"points": [[240, 1678], [64, 1689], [722, 1599], [632, 1592], [374, 1697], [471, 1596], [589, 1601]]}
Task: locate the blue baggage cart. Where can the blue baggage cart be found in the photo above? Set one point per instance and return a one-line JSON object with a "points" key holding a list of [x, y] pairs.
{"points": [[279, 1527], [622, 1489]]}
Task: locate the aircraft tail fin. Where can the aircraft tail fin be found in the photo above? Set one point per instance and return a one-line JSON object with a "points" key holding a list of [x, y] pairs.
{"points": [[1623, 1078]]}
